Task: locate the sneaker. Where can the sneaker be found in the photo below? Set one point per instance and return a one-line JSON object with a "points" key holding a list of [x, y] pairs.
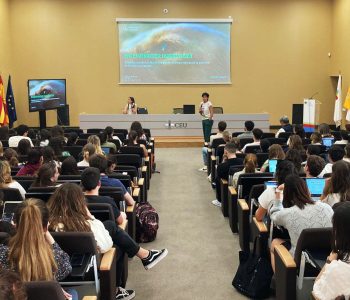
{"points": [[209, 178], [204, 169], [124, 294], [154, 257], [216, 203]]}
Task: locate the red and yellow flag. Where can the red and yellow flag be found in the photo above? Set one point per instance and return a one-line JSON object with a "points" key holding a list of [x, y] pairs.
{"points": [[4, 118]]}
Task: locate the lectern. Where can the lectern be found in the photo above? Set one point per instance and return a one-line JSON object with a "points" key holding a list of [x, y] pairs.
{"points": [[311, 114]]}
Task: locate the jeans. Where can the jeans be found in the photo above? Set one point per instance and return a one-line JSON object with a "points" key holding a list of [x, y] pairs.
{"points": [[207, 126], [124, 244], [205, 155], [73, 293]]}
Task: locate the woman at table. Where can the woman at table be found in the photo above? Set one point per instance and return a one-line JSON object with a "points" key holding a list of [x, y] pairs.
{"points": [[130, 107], [207, 113]]}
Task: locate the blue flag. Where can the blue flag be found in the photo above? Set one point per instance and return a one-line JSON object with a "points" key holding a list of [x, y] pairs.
{"points": [[10, 101]]}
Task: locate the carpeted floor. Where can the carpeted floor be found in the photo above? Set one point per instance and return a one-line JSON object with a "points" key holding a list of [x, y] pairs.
{"points": [[203, 253]]}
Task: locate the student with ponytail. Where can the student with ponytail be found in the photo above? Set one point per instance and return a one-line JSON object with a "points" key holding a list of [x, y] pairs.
{"points": [[88, 150], [32, 251], [250, 166], [132, 141]]}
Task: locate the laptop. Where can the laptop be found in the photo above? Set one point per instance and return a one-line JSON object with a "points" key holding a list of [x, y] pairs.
{"points": [[272, 165], [271, 184], [328, 142], [315, 186], [189, 109], [9, 210], [106, 150]]}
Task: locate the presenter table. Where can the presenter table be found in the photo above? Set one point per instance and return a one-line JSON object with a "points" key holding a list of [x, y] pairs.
{"points": [[173, 125]]}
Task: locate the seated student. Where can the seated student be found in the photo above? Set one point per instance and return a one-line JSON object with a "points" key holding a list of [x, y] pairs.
{"points": [[95, 140], [337, 187], [47, 176], [250, 166], [314, 166], [104, 142], [49, 156], [90, 181], [344, 138], [110, 135], [23, 147], [347, 153], [335, 153], [22, 133], [299, 131], [324, 130], [284, 168], [136, 126], [313, 149], [294, 156], [285, 126], [297, 212], [257, 134], [11, 286], [296, 143], [264, 146], [334, 278], [69, 166], [248, 127], [316, 138], [32, 251], [35, 160], [88, 150], [44, 137], [100, 162], [132, 141], [72, 139], [4, 133], [11, 157], [275, 152], [6, 179], [68, 212], [57, 144], [223, 169], [57, 131], [221, 128]]}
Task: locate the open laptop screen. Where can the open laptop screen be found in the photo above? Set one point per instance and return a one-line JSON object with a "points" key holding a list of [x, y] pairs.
{"points": [[316, 186]]}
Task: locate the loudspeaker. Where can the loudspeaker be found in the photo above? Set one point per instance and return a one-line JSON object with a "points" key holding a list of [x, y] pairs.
{"points": [[63, 115], [298, 114]]}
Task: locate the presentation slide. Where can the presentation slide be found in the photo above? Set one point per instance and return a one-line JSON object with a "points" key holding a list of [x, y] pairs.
{"points": [[46, 94], [174, 53]]}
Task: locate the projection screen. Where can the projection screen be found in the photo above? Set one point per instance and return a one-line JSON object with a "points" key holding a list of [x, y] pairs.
{"points": [[174, 51]]}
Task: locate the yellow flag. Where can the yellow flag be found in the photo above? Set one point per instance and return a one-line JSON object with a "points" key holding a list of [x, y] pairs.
{"points": [[347, 100]]}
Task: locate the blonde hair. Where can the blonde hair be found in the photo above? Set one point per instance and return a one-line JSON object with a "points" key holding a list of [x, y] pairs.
{"points": [[5, 173], [1, 149], [250, 163], [29, 252], [95, 140], [226, 136]]}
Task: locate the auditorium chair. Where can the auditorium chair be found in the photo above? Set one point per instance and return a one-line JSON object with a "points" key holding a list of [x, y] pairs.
{"points": [[104, 265], [253, 149], [261, 157], [75, 151], [216, 143], [102, 211], [121, 131], [246, 181], [11, 194], [285, 135], [337, 135], [43, 290], [235, 134], [5, 143], [243, 142], [81, 142], [243, 224], [25, 181], [94, 130], [267, 135], [306, 141], [278, 141], [313, 247], [209, 154], [147, 132]]}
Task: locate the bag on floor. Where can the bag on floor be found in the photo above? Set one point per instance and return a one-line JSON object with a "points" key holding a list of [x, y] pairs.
{"points": [[254, 274], [147, 223]]}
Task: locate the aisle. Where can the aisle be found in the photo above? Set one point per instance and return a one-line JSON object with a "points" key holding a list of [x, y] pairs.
{"points": [[203, 252]]}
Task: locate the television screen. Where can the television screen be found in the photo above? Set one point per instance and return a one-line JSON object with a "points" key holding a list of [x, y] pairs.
{"points": [[46, 94]]}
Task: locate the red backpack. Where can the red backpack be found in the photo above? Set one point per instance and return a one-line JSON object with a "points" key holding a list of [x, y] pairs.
{"points": [[147, 223]]}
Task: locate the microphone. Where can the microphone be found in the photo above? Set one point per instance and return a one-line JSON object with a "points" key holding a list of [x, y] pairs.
{"points": [[313, 95]]}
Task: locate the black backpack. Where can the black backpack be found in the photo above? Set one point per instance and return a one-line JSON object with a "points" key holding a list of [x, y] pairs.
{"points": [[147, 223]]}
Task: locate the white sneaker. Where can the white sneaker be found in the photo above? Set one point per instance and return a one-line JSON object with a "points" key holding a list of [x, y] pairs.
{"points": [[204, 169], [209, 178], [216, 203]]}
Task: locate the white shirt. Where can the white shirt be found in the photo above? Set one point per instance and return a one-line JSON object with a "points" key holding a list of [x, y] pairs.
{"points": [[341, 142], [279, 131], [215, 136], [332, 199], [327, 169], [205, 109], [250, 144], [83, 163], [334, 281], [14, 140], [267, 197], [103, 239], [16, 185]]}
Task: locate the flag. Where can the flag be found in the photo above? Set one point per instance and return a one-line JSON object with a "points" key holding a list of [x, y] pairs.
{"points": [[4, 118], [338, 105], [10, 102], [347, 105]]}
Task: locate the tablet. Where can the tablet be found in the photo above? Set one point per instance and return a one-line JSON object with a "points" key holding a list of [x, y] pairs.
{"points": [[106, 150], [9, 210], [272, 165], [328, 142]]}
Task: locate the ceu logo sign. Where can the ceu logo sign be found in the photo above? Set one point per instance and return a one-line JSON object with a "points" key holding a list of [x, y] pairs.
{"points": [[180, 125]]}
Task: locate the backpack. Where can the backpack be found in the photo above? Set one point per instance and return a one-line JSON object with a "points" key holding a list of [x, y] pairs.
{"points": [[147, 223]]}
